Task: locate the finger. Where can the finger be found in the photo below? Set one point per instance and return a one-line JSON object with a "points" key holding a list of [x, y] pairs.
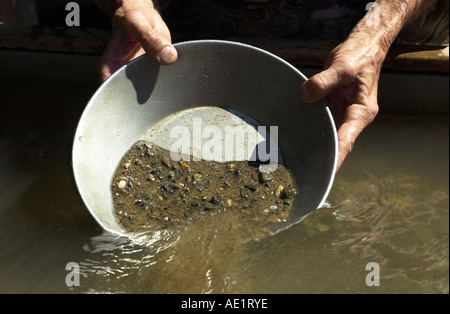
{"points": [[355, 121], [139, 25], [320, 85], [109, 63], [117, 53], [323, 83], [347, 134]]}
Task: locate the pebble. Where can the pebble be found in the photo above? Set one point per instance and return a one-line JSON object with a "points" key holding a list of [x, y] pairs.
{"points": [[184, 166], [210, 208], [122, 184], [290, 192], [215, 201], [279, 191], [265, 177], [251, 187], [197, 177], [172, 192], [166, 162]]}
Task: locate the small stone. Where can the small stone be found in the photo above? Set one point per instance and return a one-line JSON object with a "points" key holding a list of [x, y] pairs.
{"points": [[166, 186], [184, 166], [279, 191], [196, 205], [166, 161], [216, 201], [265, 177], [122, 184], [229, 202], [273, 208], [251, 187], [140, 202], [210, 208], [171, 174], [290, 192], [197, 177]]}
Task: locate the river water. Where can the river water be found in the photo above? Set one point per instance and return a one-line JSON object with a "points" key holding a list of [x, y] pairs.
{"points": [[389, 205]]}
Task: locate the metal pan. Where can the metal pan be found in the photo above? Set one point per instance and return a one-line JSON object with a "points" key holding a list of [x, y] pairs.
{"points": [[246, 82]]}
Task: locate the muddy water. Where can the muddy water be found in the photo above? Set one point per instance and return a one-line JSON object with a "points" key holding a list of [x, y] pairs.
{"points": [[389, 205]]}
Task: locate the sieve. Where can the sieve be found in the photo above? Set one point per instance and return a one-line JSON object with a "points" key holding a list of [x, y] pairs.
{"points": [[221, 84]]}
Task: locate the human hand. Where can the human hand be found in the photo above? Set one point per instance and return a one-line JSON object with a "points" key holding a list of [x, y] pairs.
{"points": [[137, 29], [349, 81], [349, 85]]}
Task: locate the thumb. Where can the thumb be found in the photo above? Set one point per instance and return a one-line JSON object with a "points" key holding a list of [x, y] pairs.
{"points": [[155, 43], [320, 85]]}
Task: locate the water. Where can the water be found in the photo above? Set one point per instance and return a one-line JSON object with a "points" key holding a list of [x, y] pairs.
{"points": [[389, 205]]}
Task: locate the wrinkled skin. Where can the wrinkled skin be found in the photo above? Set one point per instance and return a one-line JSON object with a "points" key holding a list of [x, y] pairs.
{"points": [[348, 82], [137, 29]]}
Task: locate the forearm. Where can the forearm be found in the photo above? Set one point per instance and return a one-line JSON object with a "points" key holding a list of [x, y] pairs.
{"points": [[110, 6], [380, 27], [393, 15]]}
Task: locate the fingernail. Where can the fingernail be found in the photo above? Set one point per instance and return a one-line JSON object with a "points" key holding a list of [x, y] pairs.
{"points": [[306, 94], [167, 55]]}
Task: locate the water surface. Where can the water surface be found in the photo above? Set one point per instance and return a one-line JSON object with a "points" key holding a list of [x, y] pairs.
{"points": [[389, 205]]}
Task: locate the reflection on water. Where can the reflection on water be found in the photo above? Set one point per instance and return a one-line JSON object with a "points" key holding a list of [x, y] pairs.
{"points": [[389, 205], [192, 259], [396, 221], [376, 212], [327, 252]]}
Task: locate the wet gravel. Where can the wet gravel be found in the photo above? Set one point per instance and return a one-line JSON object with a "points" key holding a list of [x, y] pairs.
{"points": [[152, 192]]}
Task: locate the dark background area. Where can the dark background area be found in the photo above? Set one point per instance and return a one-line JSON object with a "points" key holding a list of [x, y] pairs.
{"points": [[53, 13], [190, 19]]}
